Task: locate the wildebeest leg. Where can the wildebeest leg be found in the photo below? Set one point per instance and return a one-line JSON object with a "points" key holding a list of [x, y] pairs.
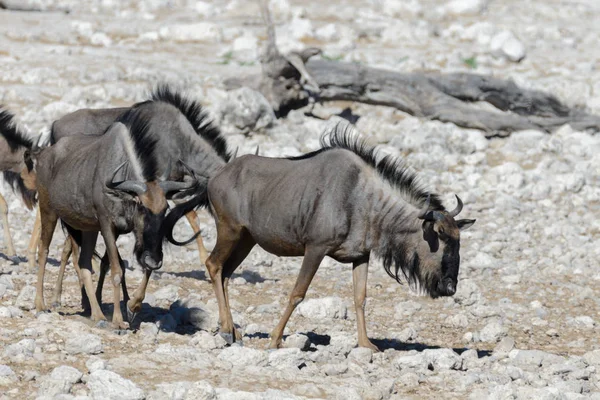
{"points": [[310, 264], [49, 220], [192, 218], [64, 259], [116, 274], [227, 239], [135, 304], [238, 255], [359, 280], [9, 243], [104, 265], [88, 244], [35, 240]]}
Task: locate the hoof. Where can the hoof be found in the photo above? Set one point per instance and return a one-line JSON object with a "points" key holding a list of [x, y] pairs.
{"points": [[14, 259], [229, 338], [102, 324], [42, 312], [130, 315]]}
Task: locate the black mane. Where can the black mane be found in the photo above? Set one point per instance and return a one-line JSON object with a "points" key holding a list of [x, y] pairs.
{"points": [[15, 138], [145, 145], [391, 168], [197, 117]]}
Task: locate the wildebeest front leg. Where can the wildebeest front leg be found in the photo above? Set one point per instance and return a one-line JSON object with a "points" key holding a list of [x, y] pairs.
{"points": [[310, 264], [10, 251], [227, 239], [359, 280], [49, 220], [116, 275], [135, 304], [35, 240], [192, 218]]}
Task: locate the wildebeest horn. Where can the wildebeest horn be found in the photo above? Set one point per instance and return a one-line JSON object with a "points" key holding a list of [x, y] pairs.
{"points": [[172, 186], [458, 208], [234, 156], [257, 150], [126, 186], [423, 214]]}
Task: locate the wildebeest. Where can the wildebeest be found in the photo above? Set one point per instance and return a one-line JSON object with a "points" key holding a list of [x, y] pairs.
{"points": [[340, 201], [182, 131], [14, 142], [113, 184]]}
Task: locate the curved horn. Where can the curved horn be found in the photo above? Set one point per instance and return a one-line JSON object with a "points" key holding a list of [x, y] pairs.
{"points": [[126, 186], [171, 186], [423, 214], [458, 208]]}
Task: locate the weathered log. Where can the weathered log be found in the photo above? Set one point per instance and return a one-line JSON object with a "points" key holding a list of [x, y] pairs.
{"points": [[289, 82]]}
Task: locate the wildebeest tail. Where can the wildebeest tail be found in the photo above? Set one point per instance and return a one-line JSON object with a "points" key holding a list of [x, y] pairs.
{"points": [[200, 199], [16, 139]]}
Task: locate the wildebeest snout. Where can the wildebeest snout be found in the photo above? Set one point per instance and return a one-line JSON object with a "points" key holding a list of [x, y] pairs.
{"points": [[150, 263]]}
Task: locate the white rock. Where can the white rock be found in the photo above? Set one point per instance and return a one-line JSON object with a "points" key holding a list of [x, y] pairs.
{"points": [[95, 363], [361, 355], [60, 381], [245, 110], [301, 28], [201, 390], [457, 321], [505, 44], [205, 9], [582, 322], [326, 307], [493, 331], [26, 297], [100, 39], [7, 375], [207, 341], [24, 348], [466, 7], [402, 8], [505, 346], [286, 358], [297, 340], [86, 343], [196, 32], [108, 385], [442, 359], [327, 32], [416, 361], [148, 329], [592, 357], [167, 294], [245, 356]]}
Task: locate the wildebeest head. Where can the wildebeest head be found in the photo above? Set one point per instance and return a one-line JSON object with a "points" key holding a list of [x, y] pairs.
{"points": [[150, 200], [438, 253]]}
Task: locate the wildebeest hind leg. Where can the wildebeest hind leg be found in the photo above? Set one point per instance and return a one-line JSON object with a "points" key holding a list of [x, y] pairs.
{"points": [[116, 275], [9, 242], [35, 240], [310, 264], [359, 280], [227, 239], [85, 272], [49, 220], [64, 259], [238, 255], [104, 266], [192, 218]]}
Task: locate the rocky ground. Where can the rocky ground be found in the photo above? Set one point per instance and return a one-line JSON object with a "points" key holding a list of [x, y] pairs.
{"points": [[524, 323]]}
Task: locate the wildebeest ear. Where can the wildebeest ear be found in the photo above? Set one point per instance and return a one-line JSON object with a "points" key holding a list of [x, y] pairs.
{"points": [[465, 223], [430, 236]]}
